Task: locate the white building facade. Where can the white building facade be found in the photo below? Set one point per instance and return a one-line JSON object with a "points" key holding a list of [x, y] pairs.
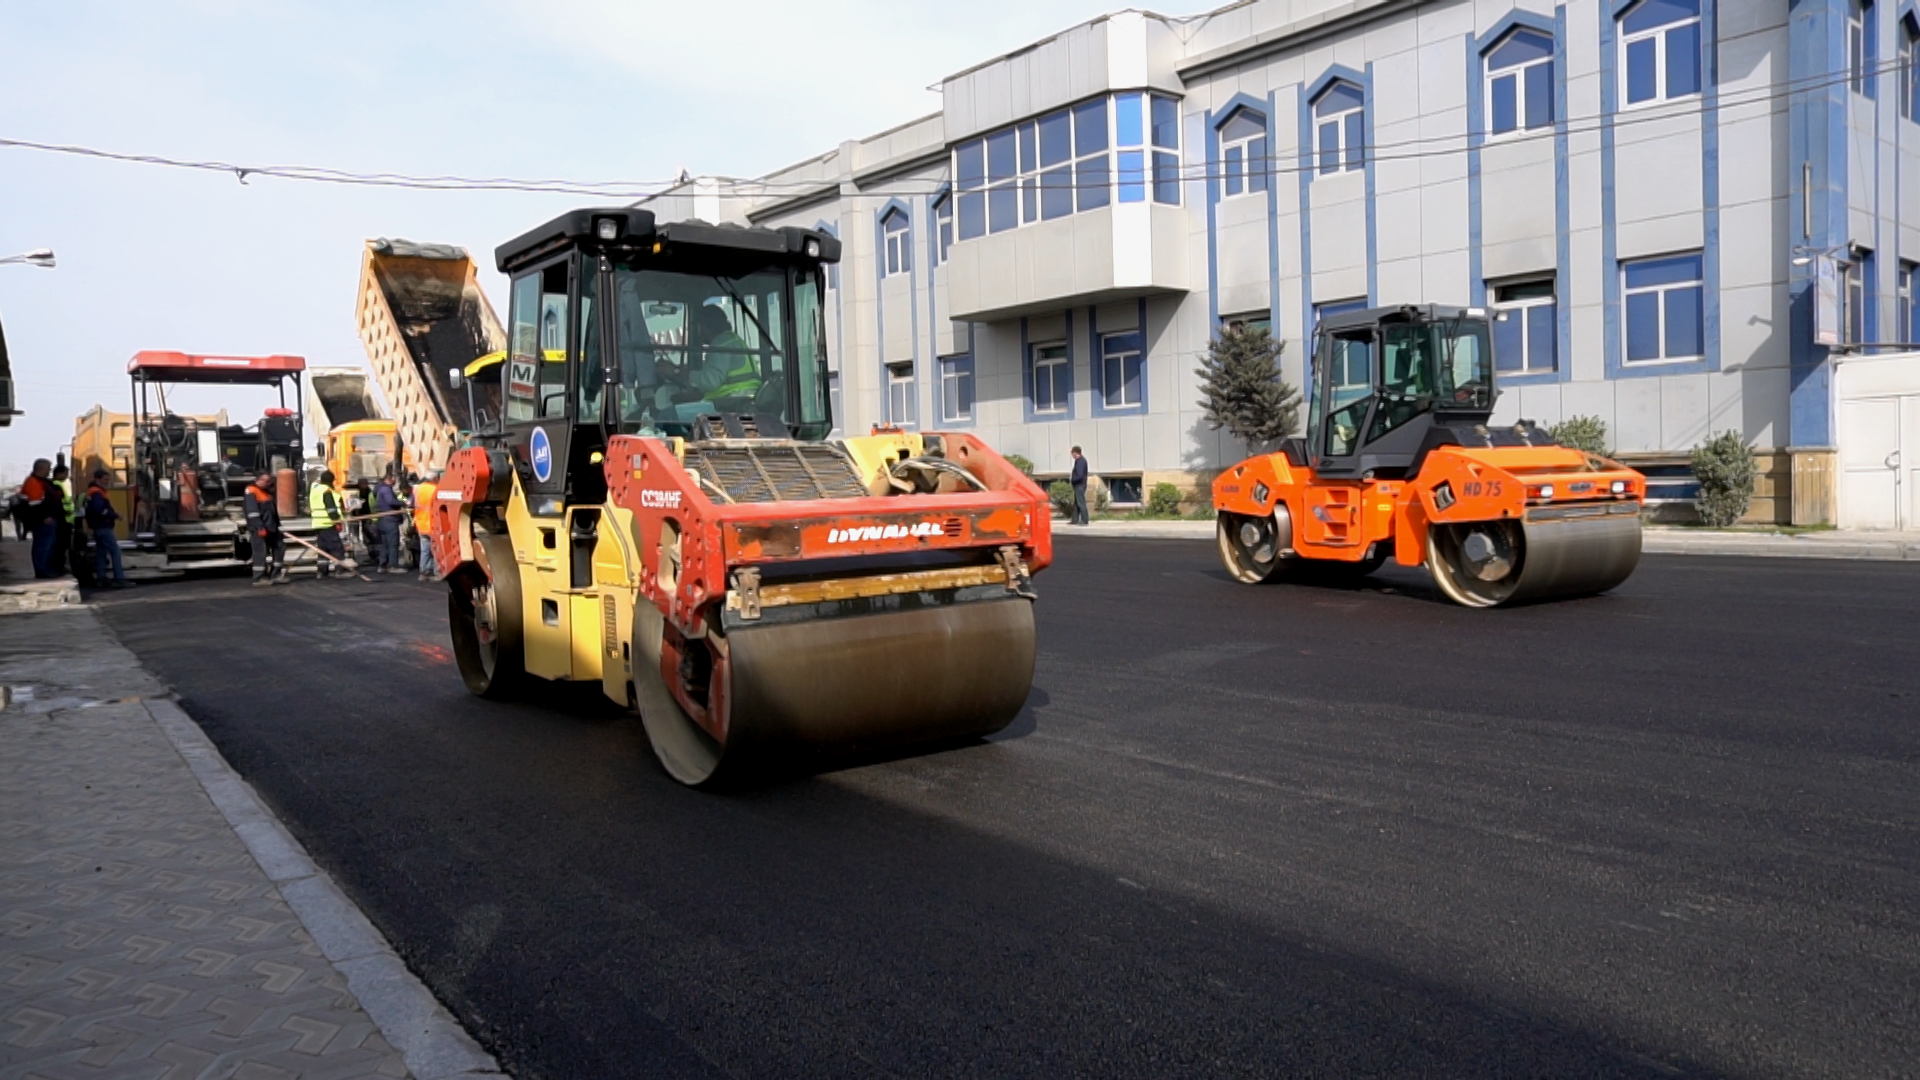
{"points": [[1647, 187]]}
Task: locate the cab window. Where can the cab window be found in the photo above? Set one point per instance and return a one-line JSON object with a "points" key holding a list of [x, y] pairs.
{"points": [[522, 369], [553, 342], [1350, 385]]}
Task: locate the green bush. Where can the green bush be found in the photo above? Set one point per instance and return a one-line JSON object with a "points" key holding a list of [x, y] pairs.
{"points": [[1163, 500], [1061, 493], [1724, 466], [1584, 433], [1024, 464], [1100, 499]]}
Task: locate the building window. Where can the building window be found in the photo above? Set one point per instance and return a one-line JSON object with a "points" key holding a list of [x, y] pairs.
{"points": [[1067, 162], [1909, 77], [1122, 490], [1660, 40], [1853, 299], [1863, 45], [956, 388], [943, 238], [1258, 320], [1122, 369], [1525, 326], [1520, 86], [1908, 336], [1665, 314], [1051, 379], [899, 244], [1340, 126], [1244, 165], [902, 403]]}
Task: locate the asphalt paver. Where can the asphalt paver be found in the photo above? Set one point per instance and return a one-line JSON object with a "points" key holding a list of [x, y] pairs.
{"points": [[1294, 830]]}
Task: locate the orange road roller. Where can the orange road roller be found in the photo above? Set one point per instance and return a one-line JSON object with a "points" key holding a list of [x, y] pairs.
{"points": [[1400, 461], [659, 508]]}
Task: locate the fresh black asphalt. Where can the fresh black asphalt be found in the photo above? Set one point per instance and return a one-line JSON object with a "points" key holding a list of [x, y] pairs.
{"points": [[1279, 831]]}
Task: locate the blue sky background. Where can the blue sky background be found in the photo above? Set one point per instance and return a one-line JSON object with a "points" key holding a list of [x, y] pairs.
{"points": [[155, 258]]}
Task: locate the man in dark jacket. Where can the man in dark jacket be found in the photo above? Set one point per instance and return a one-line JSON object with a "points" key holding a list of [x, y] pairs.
{"points": [[388, 505], [100, 516], [263, 530], [1079, 488], [41, 508]]}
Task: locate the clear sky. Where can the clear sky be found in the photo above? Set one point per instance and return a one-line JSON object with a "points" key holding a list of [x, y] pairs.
{"points": [[154, 258]]}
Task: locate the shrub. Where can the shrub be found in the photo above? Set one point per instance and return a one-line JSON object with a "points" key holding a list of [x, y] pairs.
{"points": [[1100, 498], [1241, 389], [1061, 494], [1724, 466], [1163, 500], [1021, 462], [1584, 433]]}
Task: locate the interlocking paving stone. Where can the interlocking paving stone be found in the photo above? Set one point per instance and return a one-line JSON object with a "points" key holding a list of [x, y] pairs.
{"points": [[138, 937]]}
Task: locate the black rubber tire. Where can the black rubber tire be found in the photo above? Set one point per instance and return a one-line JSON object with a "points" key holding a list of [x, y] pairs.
{"points": [[493, 670]]}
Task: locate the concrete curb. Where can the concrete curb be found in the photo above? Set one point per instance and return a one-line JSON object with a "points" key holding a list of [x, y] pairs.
{"points": [[429, 1039]]}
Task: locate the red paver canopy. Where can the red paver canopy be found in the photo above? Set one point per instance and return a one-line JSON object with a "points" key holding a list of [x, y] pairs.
{"points": [[157, 366]]}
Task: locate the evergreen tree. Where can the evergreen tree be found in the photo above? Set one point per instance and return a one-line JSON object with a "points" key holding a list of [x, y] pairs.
{"points": [[1241, 389]]}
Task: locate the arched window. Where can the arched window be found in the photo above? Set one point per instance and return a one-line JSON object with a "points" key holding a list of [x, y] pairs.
{"points": [[1520, 82], [899, 240], [943, 216], [1909, 77], [1244, 164], [1340, 124], [1660, 43]]}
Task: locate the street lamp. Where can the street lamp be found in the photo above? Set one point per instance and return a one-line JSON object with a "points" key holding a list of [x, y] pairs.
{"points": [[41, 257]]}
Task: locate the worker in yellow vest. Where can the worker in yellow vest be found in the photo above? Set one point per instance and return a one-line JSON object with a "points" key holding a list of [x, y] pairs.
{"points": [[423, 493], [323, 506]]}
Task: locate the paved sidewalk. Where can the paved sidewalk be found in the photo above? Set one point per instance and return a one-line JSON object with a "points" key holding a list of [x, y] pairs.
{"points": [[1659, 540], [155, 920]]}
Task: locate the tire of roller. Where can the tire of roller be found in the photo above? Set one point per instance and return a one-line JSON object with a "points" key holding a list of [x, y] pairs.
{"points": [[506, 673], [826, 688]]}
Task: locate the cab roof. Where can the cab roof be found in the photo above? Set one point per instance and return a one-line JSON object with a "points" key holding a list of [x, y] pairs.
{"points": [[636, 231], [162, 366]]}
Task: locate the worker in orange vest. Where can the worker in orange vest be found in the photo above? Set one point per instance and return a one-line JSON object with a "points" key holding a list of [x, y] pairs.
{"points": [[423, 493], [263, 531], [42, 507]]}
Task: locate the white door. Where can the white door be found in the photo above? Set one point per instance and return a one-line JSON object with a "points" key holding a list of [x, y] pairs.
{"points": [[1870, 456]]}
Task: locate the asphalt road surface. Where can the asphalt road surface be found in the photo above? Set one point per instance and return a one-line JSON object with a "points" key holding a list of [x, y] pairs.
{"points": [[1275, 831]]}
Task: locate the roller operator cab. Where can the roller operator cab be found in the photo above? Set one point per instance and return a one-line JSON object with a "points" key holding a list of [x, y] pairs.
{"points": [[1399, 461], [656, 506]]}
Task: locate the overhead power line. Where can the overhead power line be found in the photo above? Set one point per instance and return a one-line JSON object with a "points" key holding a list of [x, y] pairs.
{"points": [[1432, 146]]}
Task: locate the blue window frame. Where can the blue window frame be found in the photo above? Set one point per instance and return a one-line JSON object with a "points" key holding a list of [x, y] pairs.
{"points": [[1660, 40], [1245, 167], [1123, 358], [1525, 328], [943, 217], [903, 405], [1052, 377], [956, 388], [1863, 45], [1908, 335], [1665, 302], [1520, 83], [1340, 127], [1909, 77]]}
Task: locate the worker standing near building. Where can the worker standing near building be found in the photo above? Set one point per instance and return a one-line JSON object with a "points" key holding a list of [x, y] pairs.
{"points": [[1079, 488], [423, 493], [263, 529], [388, 508], [98, 513], [323, 507], [41, 510]]}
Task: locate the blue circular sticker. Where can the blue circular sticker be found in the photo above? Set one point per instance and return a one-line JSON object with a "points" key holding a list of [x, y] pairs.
{"points": [[542, 455]]}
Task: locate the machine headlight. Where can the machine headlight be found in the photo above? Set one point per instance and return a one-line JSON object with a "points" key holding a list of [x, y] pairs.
{"points": [[813, 249], [1544, 491], [606, 228], [1619, 487]]}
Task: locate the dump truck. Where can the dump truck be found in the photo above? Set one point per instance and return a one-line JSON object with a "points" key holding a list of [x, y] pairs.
{"points": [[353, 437], [190, 476], [659, 509], [1401, 461], [423, 320]]}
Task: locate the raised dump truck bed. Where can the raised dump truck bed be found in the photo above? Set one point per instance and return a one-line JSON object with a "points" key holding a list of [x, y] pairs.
{"points": [[422, 315]]}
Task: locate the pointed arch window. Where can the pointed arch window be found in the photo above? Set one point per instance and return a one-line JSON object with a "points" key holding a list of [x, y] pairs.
{"points": [[899, 243], [1340, 127], [1244, 162], [1520, 82]]}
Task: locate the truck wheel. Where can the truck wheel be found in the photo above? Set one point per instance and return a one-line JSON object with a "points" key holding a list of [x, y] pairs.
{"points": [[483, 613], [1252, 549]]}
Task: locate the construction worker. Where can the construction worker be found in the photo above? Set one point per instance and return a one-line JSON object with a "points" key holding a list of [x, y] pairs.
{"points": [[42, 509], [98, 513], [423, 493], [387, 504], [729, 371], [323, 507], [63, 528], [263, 530]]}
